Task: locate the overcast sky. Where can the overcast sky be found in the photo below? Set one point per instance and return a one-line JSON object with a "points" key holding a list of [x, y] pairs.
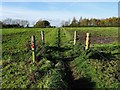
{"points": [[56, 12]]}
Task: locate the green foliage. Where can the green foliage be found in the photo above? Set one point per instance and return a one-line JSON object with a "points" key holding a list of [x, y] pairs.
{"points": [[74, 23], [42, 24], [56, 80], [101, 70], [51, 69], [84, 22]]}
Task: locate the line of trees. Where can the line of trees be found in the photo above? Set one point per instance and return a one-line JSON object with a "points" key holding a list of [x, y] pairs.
{"points": [[13, 23], [18, 23], [83, 22]]}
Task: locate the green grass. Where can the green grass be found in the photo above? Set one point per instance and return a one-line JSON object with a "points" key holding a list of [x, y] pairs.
{"points": [[97, 31], [101, 69], [19, 71]]}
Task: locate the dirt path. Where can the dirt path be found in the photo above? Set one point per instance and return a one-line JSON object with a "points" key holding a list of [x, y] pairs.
{"points": [[70, 77]]}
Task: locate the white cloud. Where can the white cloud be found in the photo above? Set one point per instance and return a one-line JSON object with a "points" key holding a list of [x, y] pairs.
{"points": [[17, 13], [55, 17]]}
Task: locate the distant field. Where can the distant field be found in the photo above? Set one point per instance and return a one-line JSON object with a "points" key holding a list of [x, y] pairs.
{"points": [[99, 35], [95, 68]]}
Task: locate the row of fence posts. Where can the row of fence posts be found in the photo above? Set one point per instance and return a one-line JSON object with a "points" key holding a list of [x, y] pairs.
{"points": [[87, 44], [33, 43]]}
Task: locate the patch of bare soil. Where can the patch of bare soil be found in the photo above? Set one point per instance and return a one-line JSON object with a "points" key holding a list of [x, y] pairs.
{"points": [[97, 39]]}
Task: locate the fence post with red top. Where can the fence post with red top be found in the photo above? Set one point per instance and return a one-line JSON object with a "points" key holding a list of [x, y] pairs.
{"points": [[33, 47]]}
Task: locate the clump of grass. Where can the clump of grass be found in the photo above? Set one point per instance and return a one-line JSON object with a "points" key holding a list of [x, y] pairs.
{"points": [[55, 80]]}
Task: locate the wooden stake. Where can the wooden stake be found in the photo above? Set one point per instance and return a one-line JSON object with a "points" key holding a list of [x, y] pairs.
{"points": [[87, 41], [42, 37], [59, 41], [33, 47], [75, 37]]}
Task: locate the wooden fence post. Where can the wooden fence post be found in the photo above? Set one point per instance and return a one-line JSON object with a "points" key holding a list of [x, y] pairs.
{"points": [[33, 47], [42, 37], [87, 41], [75, 35], [58, 38]]}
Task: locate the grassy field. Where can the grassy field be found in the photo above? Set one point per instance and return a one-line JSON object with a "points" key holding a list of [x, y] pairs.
{"points": [[59, 64]]}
